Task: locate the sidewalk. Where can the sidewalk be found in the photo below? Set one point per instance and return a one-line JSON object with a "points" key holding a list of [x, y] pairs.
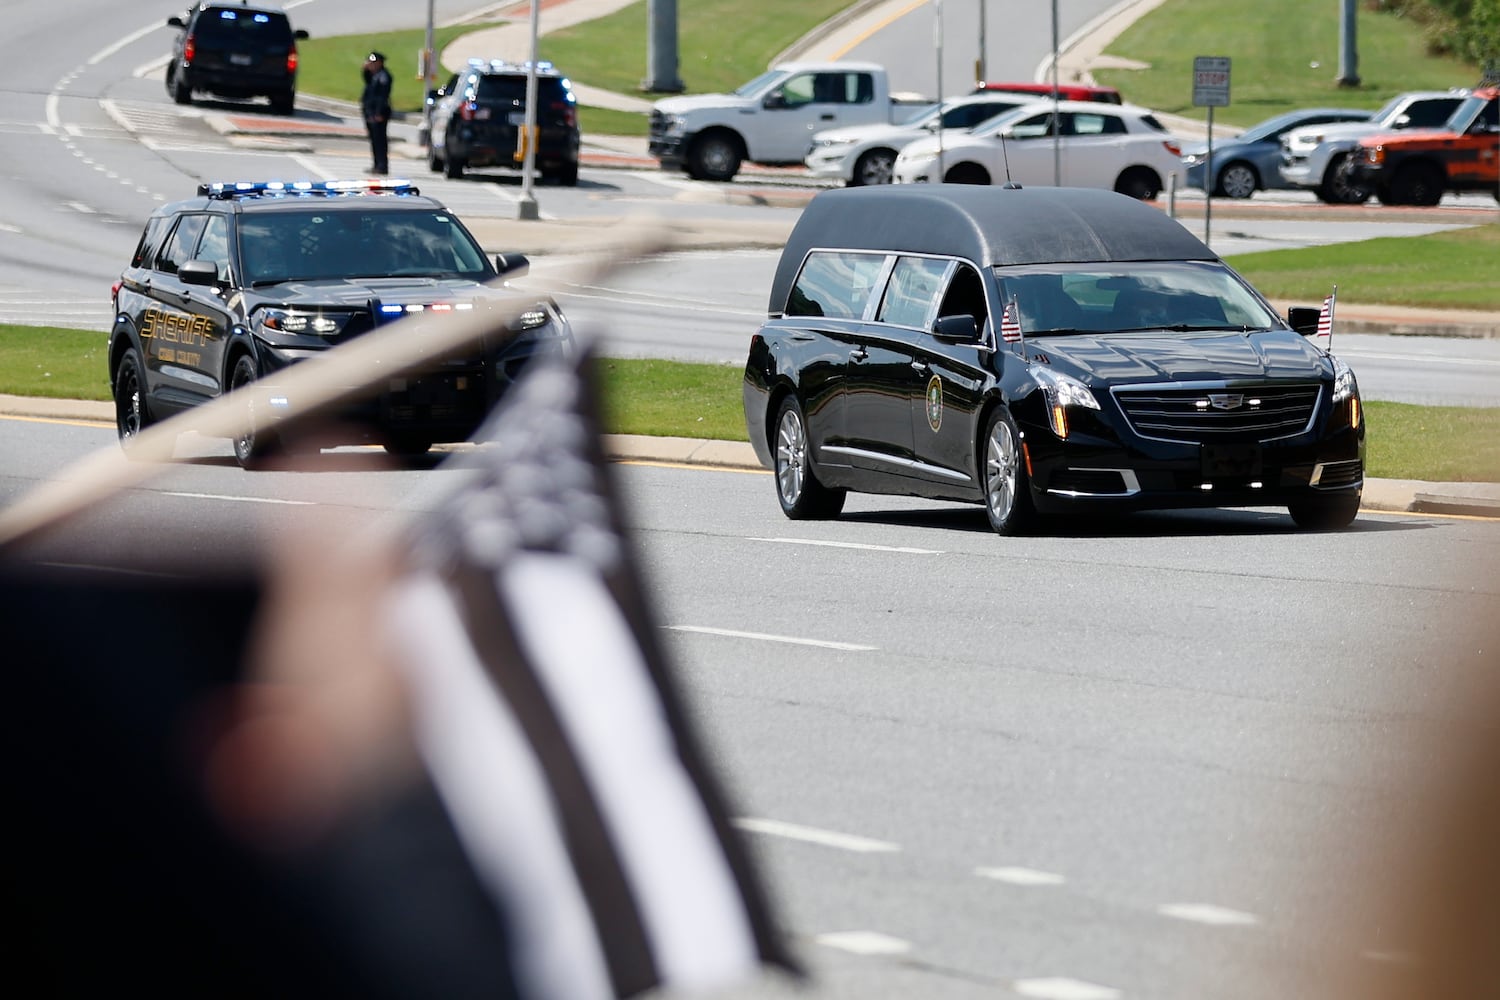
{"points": [[1391, 495]]}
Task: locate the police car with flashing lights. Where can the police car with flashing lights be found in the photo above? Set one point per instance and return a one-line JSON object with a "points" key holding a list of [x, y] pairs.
{"points": [[479, 119], [247, 278]]}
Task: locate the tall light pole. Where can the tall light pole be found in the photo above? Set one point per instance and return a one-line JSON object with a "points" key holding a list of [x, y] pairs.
{"points": [[429, 73], [526, 207], [1348, 49], [981, 71], [1056, 123], [661, 48]]}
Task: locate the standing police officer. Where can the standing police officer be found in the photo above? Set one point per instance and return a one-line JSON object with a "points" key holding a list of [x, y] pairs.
{"points": [[376, 103]]}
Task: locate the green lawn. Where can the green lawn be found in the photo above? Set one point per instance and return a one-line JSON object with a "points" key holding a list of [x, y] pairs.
{"points": [[332, 66], [1451, 270], [676, 399], [1284, 53]]}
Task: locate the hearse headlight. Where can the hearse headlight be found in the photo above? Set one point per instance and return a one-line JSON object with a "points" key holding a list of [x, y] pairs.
{"points": [[1346, 388], [298, 321], [1062, 392]]}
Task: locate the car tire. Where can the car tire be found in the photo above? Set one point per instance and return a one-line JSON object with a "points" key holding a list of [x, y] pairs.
{"points": [[132, 411], [967, 173], [406, 446], [252, 449], [1418, 184], [178, 87], [453, 168], [1140, 183], [434, 161], [1325, 513], [1339, 186], [567, 176], [284, 104], [873, 167], [715, 156], [1238, 180], [802, 497], [1007, 489]]}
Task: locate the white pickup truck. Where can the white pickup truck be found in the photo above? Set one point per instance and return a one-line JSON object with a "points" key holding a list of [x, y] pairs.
{"points": [[771, 119]]}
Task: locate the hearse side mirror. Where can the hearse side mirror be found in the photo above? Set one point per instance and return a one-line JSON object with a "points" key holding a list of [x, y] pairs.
{"points": [[956, 329], [1303, 319], [512, 265], [199, 272]]}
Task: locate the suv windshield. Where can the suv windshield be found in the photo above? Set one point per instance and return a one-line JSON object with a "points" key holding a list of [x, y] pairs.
{"points": [[1118, 297], [242, 28], [321, 245]]}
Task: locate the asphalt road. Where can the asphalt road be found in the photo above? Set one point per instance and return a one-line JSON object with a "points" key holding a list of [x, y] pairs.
{"points": [[1142, 759]]}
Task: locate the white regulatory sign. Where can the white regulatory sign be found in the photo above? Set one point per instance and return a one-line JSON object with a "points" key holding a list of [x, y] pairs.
{"points": [[1210, 81]]}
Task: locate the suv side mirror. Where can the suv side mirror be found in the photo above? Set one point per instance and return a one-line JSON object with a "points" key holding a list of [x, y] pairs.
{"points": [[1303, 319], [199, 272], [512, 265], [300, 34], [956, 329], [176, 22]]}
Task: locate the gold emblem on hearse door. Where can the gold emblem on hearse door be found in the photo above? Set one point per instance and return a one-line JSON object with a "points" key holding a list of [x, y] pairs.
{"points": [[934, 403]]}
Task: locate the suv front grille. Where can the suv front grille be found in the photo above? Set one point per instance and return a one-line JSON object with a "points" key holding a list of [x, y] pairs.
{"points": [[1215, 416], [658, 125]]}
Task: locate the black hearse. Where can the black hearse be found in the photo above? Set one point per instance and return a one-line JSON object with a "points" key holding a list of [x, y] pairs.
{"points": [[1047, 350]]}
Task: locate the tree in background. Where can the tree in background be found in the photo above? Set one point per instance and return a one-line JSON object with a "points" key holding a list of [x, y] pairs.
{"points": [[1467, 29]]}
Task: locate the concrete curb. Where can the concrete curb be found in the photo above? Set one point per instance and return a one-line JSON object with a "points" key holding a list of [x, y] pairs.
{"points": [[1390, 495]]}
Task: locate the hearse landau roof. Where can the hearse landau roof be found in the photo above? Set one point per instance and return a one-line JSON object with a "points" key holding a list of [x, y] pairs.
{"points": [[991, 226]]}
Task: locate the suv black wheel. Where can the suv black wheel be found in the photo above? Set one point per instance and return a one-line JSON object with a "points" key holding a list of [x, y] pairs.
{"points": [[1007, 491], [802, 496], [874, 167], [251, 448], [715, 156], [434, 161], [453, 167], [178, 87], [568, 176], [1140, 183], [1417, 184], [132, 413], [284, 104], [1339, 186], [1325, 513]]}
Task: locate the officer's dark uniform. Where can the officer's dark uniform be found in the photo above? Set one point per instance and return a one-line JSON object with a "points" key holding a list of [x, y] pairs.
{"points": [[376, 102]]}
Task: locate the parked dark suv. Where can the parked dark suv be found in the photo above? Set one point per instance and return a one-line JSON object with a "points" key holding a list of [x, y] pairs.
{"points": [[478, 121], [234, 50], [246, 279]]}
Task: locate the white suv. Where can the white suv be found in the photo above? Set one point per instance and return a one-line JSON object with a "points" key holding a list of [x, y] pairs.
{"points": [[865, 154], [1117, 147], [1312, 157]]}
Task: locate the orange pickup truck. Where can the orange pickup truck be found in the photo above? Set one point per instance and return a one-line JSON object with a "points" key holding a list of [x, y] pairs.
{"points": [[1416, 167]]}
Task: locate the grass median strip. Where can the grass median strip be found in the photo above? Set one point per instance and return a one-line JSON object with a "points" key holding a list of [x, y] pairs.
{"points": [[681, 399]]}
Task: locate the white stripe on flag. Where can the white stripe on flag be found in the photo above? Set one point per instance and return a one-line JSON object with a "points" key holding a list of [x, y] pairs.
{"points": [[1325, 318], [606, 701], [497, 796], [1010, 324]]}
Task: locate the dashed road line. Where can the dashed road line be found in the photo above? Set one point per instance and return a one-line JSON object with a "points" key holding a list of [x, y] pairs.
{"points": [[907, 550], [1020, 876], [237, 499], [851, 647], [813, 835], [1206, 913], [864, 943], [1060, 988]]}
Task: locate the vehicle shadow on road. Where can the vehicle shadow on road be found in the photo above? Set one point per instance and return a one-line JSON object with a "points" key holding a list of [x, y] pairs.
{"points": [[1144, 524]]}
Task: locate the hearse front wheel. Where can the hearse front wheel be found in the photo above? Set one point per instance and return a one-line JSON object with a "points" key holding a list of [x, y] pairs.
{"points": [[1007, 492], [802, 497]]}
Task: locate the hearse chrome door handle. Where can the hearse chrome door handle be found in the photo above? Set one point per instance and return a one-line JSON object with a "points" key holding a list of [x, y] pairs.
{"points": [[920, 366], [858, 354]]}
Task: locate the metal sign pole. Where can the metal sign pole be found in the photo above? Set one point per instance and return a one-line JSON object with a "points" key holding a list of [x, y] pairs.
{"points": [[1208, 180], [526, 207]]}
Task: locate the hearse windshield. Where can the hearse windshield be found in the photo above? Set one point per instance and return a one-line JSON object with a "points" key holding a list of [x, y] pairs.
{"points": [[1181, 296]]}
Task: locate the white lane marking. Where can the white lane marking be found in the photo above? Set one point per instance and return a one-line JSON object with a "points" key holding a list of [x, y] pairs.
{"points": [[1020, 876], [850, 545], [6, 227], [1427, 359], [812, 835], [1205, 913], [307, 163], [864, 943], [1058, 988], [223, 496], [154, 66], [766, 637], [119, 44], [79, 206], [52, 118]]}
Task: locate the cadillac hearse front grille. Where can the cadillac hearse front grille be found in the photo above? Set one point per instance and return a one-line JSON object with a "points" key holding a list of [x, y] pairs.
{"points": [[1217, 416]]}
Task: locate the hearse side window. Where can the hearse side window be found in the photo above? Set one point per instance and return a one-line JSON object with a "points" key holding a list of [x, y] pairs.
{"points": [[834, 284], [912, 291], [965, 296]]}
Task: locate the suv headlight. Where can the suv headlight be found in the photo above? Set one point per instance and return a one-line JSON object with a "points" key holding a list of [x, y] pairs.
{"points": [[1062, 392], [298, 321]]}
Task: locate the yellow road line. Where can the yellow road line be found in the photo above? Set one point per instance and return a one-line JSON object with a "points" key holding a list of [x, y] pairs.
{"points": [[878, 27]]}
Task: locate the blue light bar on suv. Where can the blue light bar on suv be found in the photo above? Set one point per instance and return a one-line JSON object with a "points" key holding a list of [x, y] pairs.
{"points": [[282, 189]]}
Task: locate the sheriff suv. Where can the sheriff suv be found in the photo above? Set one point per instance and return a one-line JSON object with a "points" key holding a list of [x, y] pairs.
{"points": [[246, 279], [479, 120], [234, 50], [1415, 168]]}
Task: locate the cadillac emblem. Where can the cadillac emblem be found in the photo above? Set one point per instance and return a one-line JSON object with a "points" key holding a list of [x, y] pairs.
{"points": [[1226, 400]]}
